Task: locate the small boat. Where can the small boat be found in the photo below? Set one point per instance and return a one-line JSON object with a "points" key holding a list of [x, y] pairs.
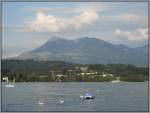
{"points": [[61, 101], [40, 102], [115, 81], [11, 84], [87, 96]]}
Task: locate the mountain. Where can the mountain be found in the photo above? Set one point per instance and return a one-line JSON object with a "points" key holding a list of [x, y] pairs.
{"points": [[87, 51]]}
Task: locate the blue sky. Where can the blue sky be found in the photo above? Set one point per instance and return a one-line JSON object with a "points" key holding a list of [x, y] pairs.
{"points": [[28, 25]]}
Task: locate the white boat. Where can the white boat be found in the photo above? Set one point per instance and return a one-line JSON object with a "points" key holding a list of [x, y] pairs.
{"points": [[61, 101], [115, 81], [40, 102], [11, 84], [87, 96]]}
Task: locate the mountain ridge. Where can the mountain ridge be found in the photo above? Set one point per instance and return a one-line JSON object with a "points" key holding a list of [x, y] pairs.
{"points": [[87, 50]]}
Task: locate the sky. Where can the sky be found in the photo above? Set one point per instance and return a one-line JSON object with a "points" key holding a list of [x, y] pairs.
{"points": [[27, 25]]}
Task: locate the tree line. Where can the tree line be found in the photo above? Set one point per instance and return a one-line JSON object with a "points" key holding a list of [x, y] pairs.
{"points": [[47, 71]]}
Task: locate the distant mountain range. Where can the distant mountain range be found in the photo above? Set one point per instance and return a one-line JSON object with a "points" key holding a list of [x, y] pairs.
{"points": [[87, 51]]}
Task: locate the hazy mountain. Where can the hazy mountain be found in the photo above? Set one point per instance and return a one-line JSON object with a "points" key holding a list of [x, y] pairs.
{"points": [[87, 51]]}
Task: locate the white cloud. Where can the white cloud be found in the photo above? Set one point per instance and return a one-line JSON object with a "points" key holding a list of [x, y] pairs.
{"points": [[85, 14], [136, 35], [45, 23], [85, 18], [49, 23]]}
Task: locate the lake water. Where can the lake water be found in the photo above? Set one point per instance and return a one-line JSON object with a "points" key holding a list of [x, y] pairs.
{"points": [[123, 96]]}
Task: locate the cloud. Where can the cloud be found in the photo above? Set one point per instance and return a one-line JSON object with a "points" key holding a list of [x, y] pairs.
{"points": [[79, 16], [139, 34], [50, 23], [44, 23], [84, 14], [85, 18]]}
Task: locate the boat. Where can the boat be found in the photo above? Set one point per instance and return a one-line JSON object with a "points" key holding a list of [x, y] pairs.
{"points": [[87, 96], [11, 84], [115, 81], [40, 102], [61, 101]]}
